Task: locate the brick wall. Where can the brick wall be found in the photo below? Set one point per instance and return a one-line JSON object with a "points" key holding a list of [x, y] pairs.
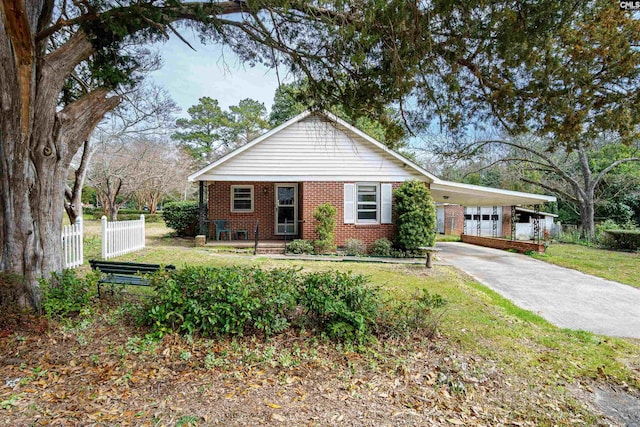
{"points": [[310, 195], [506, 221], [263, 208], [317, 193], [518, 245], [455, 214]]}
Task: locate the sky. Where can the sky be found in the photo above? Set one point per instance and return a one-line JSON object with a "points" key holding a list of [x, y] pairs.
{"points": [[209, 71]]}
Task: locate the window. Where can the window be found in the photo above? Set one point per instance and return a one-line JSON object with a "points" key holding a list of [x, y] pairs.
{"points": [[467, 217], [242, 198], [367, 203], [485, 217]]}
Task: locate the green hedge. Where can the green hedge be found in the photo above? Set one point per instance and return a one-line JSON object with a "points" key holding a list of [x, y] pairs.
{"points": [[238, 300], [182, 217], [128, 217], [621, 239]]}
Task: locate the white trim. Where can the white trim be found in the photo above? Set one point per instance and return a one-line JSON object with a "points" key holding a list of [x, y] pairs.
{"points": [[308, 178], [539, 213], [381, 146], [386, 203], [348, 205], [232, 194], [357, 203], [193, 177]]}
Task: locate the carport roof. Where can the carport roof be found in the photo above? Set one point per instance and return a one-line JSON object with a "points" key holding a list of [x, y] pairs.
{"points": [[476, 195]]}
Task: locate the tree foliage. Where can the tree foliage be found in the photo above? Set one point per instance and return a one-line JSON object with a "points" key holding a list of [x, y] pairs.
{"points": [[294, 98], [210, 132], [415, 216]]}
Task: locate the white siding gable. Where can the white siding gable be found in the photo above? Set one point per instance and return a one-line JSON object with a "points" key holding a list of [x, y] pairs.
{"points": [[313, 150]]}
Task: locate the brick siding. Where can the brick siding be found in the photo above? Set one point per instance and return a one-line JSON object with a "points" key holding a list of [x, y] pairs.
{"points": [[310, 195], [453, 214], [518, 245]]}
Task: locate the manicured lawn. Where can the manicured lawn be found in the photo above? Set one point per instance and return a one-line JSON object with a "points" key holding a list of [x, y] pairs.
{"points": [[623, 267]]}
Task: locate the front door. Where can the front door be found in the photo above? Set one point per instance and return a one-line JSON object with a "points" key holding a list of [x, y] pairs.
{"points": [[286, 209]]}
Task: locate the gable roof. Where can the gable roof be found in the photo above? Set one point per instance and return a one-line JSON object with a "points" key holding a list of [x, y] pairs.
{"points": [[412, 169], [355, 156]]}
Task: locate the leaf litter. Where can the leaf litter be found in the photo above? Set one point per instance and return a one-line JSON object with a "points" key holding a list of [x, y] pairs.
{"points": [[115, 376]]}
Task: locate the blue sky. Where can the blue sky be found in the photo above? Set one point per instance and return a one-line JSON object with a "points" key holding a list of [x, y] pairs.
{"points": [[211, 71]]}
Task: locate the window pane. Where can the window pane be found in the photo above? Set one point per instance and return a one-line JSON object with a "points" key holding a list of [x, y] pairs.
{"points": [[242, 198], [367, 206], [286, 195], [242, 192], [240, 205], [370, 215], [366, 188], [367, 198]]}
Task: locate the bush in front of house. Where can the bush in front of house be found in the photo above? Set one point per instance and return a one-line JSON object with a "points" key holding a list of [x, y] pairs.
{"points": [[238, 300], [182, 217], [342, 305], [415, 221], [354, 247], [325, 217], [221, 301], [299, 246], [381, 247]]}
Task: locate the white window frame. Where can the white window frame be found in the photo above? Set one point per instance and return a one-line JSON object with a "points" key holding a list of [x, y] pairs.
{"points": [[233, 188], [357, 203]]}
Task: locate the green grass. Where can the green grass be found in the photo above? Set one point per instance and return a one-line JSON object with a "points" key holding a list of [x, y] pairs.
{"points": [[613, 265], [447, 238], [478, 320]]}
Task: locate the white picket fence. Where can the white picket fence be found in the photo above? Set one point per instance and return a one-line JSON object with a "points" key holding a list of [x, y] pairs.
{"points": [[122, 237], [72, 244]]}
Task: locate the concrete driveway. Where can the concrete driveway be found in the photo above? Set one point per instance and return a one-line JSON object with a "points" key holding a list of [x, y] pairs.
{"points": [[566, 298]]}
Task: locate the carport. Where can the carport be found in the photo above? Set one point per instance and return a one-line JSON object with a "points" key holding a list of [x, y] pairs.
{"points": [[474, 195]]}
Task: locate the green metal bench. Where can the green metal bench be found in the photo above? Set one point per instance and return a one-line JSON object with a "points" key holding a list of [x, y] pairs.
{"points": [[125, 273]]}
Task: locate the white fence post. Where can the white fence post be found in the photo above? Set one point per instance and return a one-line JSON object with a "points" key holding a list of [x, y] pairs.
{"points": [[72, 242], [122, 237], [104, 237]]}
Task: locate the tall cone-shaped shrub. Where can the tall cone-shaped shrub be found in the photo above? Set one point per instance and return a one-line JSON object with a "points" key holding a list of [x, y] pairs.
{"points": [[415, 216]]}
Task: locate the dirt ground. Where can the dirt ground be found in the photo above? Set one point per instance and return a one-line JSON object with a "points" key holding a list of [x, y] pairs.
{"points": [[101, 371]]}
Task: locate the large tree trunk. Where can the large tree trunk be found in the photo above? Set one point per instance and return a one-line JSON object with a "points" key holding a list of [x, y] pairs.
{"points": [[37, 142], [587, 216]]}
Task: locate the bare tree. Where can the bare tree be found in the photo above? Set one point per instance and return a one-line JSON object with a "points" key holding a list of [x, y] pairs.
{"points": [[146, 111], [573, 174], [161, 172]]}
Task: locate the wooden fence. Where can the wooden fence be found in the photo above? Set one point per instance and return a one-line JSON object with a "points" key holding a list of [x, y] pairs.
{"points": [[72, 244], [122, 237]]}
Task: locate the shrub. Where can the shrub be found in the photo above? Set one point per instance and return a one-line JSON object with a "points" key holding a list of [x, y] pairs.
{"points": [[415, 216], [299, 246], [381, 247], [423, 313], [219, 301], [182, 217], [128, 217], [355, 247], [341, 304], [621, 239], [66, 294], [325, 216]]}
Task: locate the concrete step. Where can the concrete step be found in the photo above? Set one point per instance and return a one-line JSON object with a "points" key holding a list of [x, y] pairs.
{"points": [[270, 248]]}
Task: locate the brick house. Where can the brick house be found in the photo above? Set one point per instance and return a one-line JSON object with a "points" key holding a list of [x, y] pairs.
{"points": [[280, 178]]}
